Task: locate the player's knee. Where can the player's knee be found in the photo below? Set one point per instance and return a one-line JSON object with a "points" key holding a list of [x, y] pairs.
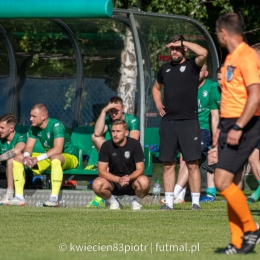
{"points": [[97, 184], [192, 167], [10, 162], [143, 182], [219, 183], [56, 156], [168, 167], [94, 138], [18, 158]]}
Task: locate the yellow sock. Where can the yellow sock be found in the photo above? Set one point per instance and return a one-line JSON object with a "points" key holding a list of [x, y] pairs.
{"points": [[56, 176], [19, 177]]}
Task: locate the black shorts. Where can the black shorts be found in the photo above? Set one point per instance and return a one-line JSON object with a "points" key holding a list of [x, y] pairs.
{"points": [[126, 190], [232, 157], [183, 135], [206, 141]]}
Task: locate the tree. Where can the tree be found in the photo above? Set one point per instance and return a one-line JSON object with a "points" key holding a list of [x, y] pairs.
{"points": [[206, 12]]}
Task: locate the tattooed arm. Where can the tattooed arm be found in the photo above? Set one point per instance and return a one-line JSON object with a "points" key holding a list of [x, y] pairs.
{"points": [[7, 155], [13, 152]]}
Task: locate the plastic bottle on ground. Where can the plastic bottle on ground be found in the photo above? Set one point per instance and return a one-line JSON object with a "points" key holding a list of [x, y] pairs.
{"points": [[156, 193]]}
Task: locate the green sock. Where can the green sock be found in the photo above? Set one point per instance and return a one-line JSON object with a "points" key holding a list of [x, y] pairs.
{"points": [[256, 194], [211, 191]]}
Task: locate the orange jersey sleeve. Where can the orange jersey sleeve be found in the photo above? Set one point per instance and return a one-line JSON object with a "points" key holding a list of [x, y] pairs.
{"points": [[241, 69]]}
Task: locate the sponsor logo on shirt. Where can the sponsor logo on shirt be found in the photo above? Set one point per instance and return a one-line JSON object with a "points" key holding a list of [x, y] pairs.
{"points": [[182, 68], [56, 124], [114, 154], [127, 154], [48, 135], [229, 73], [21, 136], [133, 120], [45, 144], [168, 70], [205, 93]]}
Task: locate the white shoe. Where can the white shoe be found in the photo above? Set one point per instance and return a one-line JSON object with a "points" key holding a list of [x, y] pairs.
{"points": [[179, 201], [5, 200], [115, 206], [135, 205]]}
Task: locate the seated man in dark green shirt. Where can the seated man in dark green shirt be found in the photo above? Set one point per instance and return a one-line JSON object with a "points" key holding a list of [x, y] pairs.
{"points": [[11, 144], [115, 110]]}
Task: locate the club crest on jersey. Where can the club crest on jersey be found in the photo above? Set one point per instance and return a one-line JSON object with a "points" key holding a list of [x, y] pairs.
{"points": [[205, 93], [182, 68], [127, 154], [230, 73]]}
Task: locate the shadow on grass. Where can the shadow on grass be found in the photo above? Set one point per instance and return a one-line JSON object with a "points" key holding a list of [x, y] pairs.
{"points": [[221, 251], [255, 211]]}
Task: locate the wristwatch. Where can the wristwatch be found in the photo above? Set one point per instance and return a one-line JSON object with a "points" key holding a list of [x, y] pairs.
{"points": [[236, 127]]}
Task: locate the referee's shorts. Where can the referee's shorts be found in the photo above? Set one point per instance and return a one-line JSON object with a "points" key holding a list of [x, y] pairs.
{"points": [[233, 157]]}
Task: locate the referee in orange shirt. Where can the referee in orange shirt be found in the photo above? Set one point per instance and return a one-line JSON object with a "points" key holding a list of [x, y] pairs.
{"points": [[239, 129]]}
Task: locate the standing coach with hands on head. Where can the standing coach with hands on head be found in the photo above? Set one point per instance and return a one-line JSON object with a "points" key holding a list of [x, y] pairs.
{"points": [[179, 111]]}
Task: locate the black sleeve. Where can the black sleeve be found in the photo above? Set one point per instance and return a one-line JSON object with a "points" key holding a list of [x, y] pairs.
{"points": [[139, 154], [104, 153], [160, 75], [195, 67]]}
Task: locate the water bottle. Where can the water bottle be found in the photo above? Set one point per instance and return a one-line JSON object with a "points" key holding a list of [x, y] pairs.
{"points": [[62, 203], [44, 182], [39, 203], [156, 193]]}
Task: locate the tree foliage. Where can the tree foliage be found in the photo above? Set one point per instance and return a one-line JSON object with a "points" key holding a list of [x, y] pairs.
{"points": [[206, 12]]}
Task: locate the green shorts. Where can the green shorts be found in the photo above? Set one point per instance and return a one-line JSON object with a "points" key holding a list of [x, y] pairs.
{"points": [[71, 162]]}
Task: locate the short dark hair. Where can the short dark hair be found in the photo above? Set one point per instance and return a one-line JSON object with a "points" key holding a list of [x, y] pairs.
{"points": [[9, 119], [231, 22], [120, 122], [176, 38], [116, 99]]}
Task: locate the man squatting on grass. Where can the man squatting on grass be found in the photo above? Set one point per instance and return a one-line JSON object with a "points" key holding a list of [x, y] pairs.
{"points": [[121, 168], [112, 111]]}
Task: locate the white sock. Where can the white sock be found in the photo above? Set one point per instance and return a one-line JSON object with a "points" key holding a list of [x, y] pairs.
{"points": [[20, 196], [54, 196], [112, 200], [9, 194], [177, 190], [195, 198], [137, 199], [169, 196], [182, 194]]}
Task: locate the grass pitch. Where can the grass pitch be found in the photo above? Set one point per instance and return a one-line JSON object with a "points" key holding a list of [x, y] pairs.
{"points": [[80, 233]]}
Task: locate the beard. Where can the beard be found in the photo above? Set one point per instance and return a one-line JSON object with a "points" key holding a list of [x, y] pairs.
{"points": [[178, 59]]}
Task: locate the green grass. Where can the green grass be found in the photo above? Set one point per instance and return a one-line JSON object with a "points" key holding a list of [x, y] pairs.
{"points": [[36, 233]]}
